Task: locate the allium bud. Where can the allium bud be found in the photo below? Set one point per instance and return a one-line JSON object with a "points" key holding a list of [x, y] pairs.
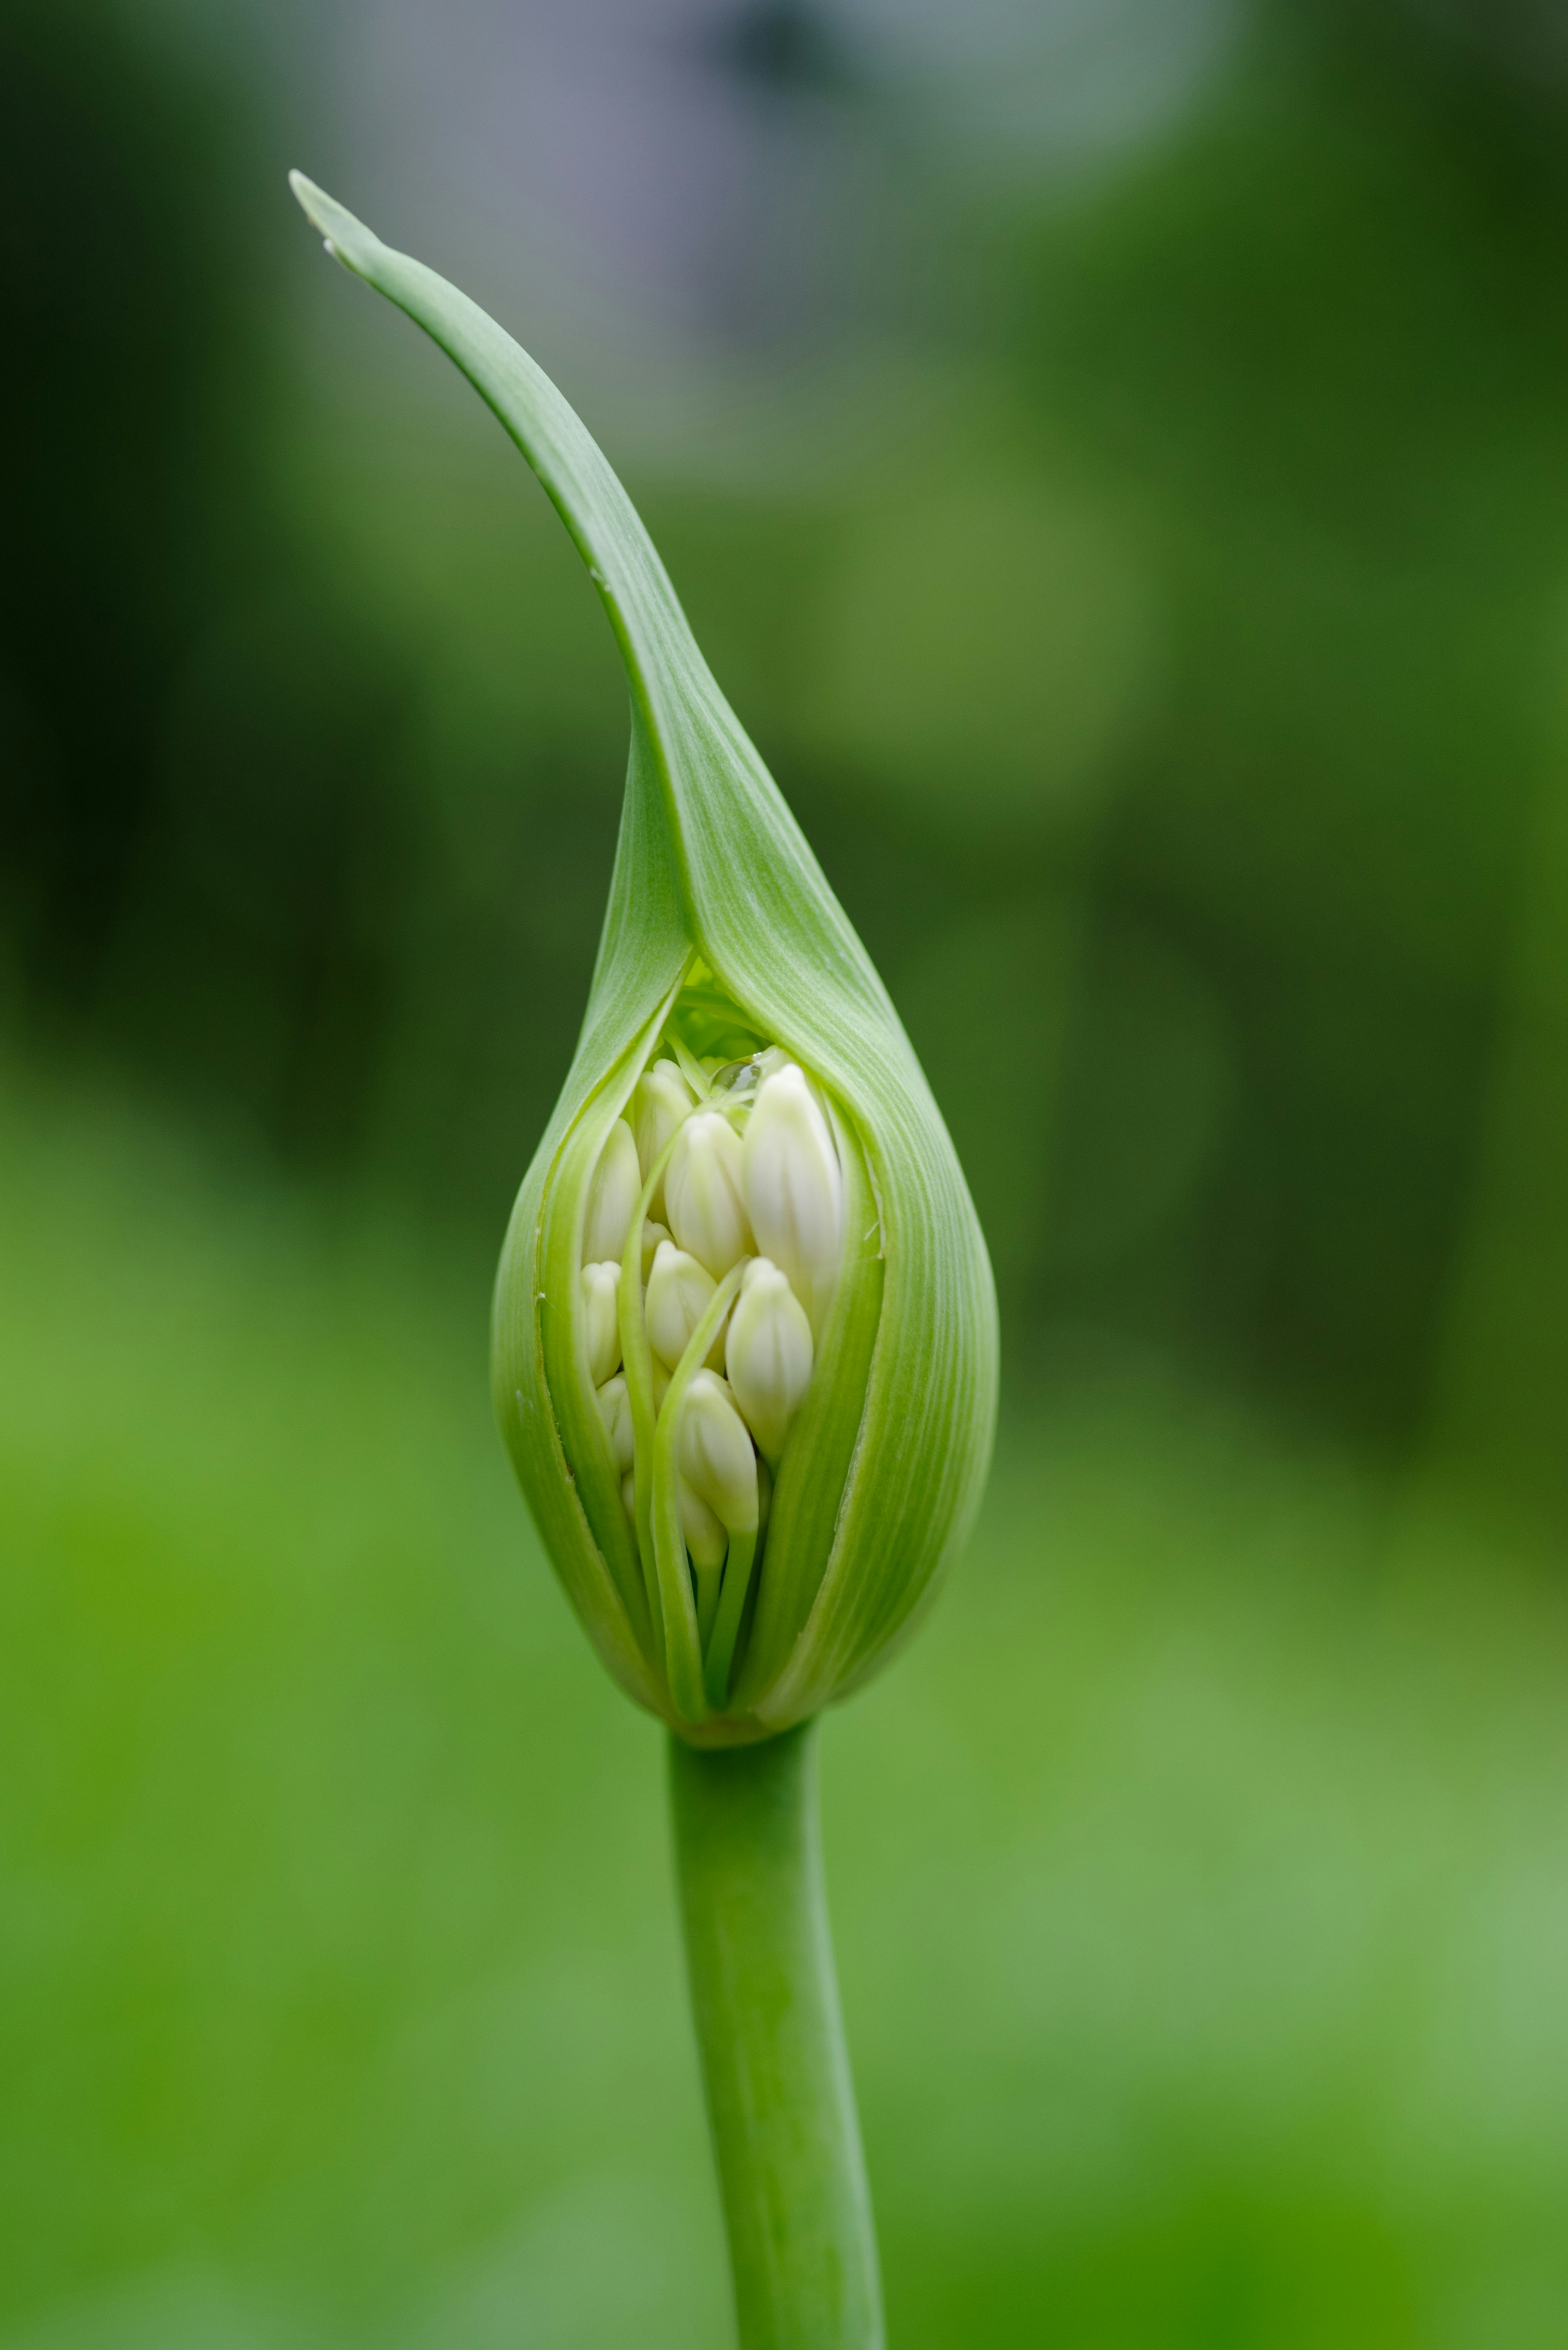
{"points": [[812, 1137], [601, 1319], [660, 1102], [768, 1354], [704, 1537], [794, 1189], [714, 1453], [702, 1193], [615, 1410], [612, 1197], [679, 1292]]}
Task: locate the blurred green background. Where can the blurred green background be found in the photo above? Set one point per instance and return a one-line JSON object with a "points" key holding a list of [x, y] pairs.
{"points": [[1114, 453]]}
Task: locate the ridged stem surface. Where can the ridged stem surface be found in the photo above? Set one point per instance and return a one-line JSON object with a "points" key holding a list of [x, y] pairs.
{"points": [[786, 2138]]}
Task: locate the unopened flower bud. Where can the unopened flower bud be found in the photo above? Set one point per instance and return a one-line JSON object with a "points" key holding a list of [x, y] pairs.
{"points": [[794, 1189], [715, 1454], [612, 1198], [702, 1195], [615, 1410], [660, 1102], [725, 955], [678, 1289], [768, 1354], [705, 1536], [601, 1321]]}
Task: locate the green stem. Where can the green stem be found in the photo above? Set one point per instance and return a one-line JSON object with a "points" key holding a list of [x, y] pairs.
{"points": [[780, 2104]]}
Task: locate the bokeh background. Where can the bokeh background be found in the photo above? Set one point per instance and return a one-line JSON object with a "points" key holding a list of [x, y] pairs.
{"points": [[1114, 453]]}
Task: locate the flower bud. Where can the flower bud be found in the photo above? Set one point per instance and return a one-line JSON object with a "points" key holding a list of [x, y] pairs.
{"points": [[660, 1102], [612, 1198], [601, 1320], [715, 1454], [615, 1410], [794, 1189], [678, 1291], [810, 1138], [702, 1193], [768, 1355], [705, 1534], [652, 1234]]}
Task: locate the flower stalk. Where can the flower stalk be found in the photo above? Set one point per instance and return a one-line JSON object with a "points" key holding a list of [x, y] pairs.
{"points": [[792, 2178]]}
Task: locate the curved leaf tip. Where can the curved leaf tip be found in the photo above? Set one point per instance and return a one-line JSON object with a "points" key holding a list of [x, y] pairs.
{"points": [[348, 239]]}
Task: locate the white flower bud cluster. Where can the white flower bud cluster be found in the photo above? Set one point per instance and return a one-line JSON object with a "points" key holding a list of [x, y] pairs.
{"points": [[731, 1167]]}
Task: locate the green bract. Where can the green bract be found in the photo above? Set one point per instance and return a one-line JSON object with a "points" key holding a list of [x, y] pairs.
{"points": [[730, 991]]}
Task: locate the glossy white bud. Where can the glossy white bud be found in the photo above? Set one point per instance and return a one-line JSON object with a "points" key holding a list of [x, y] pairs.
{"points": [[601, 1319], [615, 1410], [794, 1189], [679, 1289], [703, 1204], [660, 1101], [768, 1354], [612, 1197], [715, 1455]]}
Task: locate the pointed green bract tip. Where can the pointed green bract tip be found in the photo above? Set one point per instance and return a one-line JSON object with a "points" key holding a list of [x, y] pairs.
{"points": [[348, 239]]}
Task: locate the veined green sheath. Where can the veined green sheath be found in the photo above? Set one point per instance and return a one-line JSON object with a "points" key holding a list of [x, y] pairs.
{"points": [[744, 1347]]}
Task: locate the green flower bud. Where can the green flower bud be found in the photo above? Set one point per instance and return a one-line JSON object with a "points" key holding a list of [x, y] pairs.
{"points": [[768, 1355], [807, 1137]]}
